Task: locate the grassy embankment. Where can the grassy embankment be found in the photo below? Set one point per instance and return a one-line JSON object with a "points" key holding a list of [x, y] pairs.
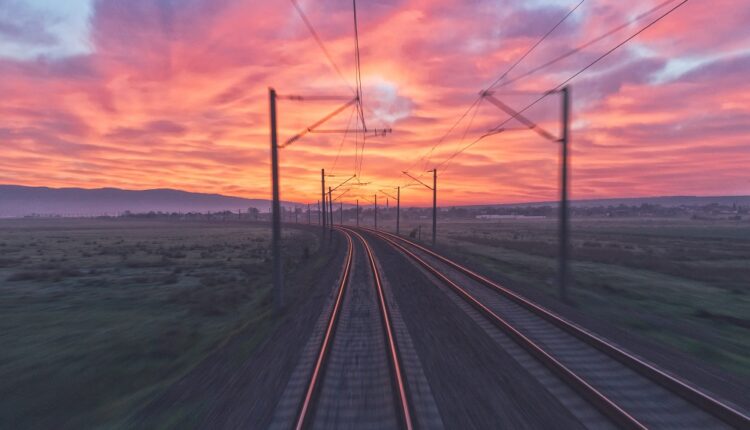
{"points": [[98, 317], [676, 281]]}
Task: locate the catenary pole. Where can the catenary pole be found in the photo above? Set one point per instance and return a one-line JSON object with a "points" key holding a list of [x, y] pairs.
{"points": [[323, 197], [277, 277], [330, 209], [564, 184], [398, 209], [434, 206]]}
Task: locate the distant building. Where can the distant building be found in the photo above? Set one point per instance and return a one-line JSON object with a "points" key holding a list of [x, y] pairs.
{"points": [[487, 216]]}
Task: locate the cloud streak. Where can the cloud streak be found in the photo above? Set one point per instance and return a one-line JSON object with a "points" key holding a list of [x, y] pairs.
{"points": [[174, 94]]}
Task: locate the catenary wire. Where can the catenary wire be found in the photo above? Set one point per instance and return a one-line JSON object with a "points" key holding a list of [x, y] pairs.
{"points": [[498, 128]]}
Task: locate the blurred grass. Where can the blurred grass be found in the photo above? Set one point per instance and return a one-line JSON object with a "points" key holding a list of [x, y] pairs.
{"points": [[679, 282], [99, 316]]}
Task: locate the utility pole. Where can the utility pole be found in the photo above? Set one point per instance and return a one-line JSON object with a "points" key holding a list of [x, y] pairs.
{"points": [[564, 220], [434, 199], [398, 209], [357, 212], [330, 208], [356, 100], [376, 211], [278, 275], [434, 205], [398, 204], [323, 197], [564, 142], [341, 213]]}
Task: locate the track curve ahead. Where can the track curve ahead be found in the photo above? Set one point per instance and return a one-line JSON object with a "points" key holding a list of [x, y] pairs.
{"points": [[335, 356], [630, 391]]}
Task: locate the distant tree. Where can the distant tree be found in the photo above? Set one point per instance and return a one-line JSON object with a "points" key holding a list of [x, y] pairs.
{"points": [[253, 213]]}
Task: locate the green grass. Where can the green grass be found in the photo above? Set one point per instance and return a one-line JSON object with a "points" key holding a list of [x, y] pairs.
{"points": [[680, 282], [98, 316]]}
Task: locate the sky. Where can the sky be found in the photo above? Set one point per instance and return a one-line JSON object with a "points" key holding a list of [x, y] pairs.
{"points": [[142, 94]]}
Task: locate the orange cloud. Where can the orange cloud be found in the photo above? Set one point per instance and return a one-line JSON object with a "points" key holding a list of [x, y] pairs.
{"points": [[175, 95]]}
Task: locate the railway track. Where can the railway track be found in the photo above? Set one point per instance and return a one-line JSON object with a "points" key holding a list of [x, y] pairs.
{"points": [[629, 391], [333, 354]]}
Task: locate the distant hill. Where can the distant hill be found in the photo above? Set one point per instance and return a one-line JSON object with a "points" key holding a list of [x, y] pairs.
{"points": [[637, 201], [16, 200]]}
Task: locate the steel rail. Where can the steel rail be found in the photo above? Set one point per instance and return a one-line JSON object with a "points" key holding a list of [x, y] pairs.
{"points": [[392, 347], [313, 387], [704, 401], [606, 406]]}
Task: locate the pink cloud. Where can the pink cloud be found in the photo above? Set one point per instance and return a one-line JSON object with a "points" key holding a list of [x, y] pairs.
{"points": [[175, 94]]}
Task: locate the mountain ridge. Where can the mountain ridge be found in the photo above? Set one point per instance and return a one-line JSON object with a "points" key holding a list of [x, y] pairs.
{"points": [[20, 200]]}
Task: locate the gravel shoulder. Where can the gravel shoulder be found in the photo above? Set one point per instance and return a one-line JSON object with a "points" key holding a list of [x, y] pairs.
{"points": [[734, 390], [239, 385], [474, 381]]}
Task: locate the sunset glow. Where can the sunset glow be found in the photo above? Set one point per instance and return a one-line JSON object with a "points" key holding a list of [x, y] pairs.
{"points": [[173, 94]]}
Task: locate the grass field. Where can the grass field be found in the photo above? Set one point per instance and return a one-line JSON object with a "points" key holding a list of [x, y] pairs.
{"points": [[680, 282], [99, 316]]}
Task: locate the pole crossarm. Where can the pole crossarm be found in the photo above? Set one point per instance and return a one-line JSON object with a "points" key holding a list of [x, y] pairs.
{"points": [[409, 185], [317, 124], [379, 132], [376, 131], [341, 195], [503, 130], [517, 115], [484, 93], [312, 97], [388, 195], [407, 174], [337, 186], [362, 183]]}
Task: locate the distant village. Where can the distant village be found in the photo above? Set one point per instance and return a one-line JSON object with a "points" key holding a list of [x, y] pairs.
{"points": [[713, 211]]}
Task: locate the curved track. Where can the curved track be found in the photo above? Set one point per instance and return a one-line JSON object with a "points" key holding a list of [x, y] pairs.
{"points": [[628, 390], [306, 417]]}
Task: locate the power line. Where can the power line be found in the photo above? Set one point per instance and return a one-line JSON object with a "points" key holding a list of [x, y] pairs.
{"points": [[471, 121], [319, 41], [587, 44], [358, 69], [468, 126], [360, 104], [343, 139], [478, 99], [498, 129], [358, 151], [362, 154], [428, 154], [554, 27], [620, 44]]}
